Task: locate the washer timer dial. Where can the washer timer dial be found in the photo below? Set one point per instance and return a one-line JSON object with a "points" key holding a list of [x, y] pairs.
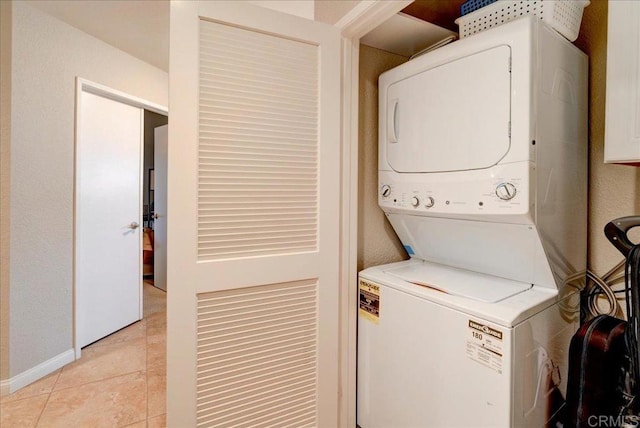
{"points": [[506, 191], [429, 202], [385, 190]]}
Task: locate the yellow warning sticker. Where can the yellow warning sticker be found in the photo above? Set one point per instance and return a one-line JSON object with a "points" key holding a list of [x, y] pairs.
{"points": [[369, 301]]}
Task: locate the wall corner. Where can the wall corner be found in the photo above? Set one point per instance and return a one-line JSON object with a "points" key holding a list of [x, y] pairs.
{"points": [[6, 10]]}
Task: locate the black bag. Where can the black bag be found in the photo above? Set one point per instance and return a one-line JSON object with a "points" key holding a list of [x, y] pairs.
{"points": [[604, 358], [597, 362]]}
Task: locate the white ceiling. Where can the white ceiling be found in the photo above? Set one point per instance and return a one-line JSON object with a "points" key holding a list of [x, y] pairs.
{"points": [[140, 28]]}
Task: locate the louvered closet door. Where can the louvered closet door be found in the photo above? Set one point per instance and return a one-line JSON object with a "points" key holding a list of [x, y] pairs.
{"points": [[253, 232]]}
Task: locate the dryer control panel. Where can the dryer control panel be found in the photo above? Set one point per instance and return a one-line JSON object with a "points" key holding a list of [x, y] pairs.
{"points": [[500, 190]]}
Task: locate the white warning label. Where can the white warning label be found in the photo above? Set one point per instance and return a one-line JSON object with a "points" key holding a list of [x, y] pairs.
{"points": [[484, 345]]}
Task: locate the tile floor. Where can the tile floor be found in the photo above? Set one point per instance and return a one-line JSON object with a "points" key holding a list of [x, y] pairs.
{"points": [[120, 381]]}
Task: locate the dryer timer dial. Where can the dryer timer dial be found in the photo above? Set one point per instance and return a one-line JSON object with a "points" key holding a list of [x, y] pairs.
{"points": [[385, 190], [506, 191]]}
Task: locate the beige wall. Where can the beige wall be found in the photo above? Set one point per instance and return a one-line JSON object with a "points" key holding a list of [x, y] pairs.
{"points": [[5, 153], [303, 8], [47, 56], [331, 11], [613, 189], [377, 242]]}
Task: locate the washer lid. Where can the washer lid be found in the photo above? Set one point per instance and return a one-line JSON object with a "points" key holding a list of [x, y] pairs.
{"points": [[458, 282]]}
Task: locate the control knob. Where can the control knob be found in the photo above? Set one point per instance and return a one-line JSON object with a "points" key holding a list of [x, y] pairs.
{"points": [[385, 190], [506, 191], [415, 201], [429, 202]]}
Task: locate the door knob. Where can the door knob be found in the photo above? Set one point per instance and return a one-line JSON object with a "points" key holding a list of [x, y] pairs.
{"points": [[134, 225], [156, 216]]}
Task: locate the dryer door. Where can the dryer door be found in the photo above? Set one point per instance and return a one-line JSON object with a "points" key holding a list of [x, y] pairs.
{"points": [[453, 117]]}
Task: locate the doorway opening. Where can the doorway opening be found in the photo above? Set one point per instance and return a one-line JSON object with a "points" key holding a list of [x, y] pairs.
{"points": [[113, 199], [154, 196]]}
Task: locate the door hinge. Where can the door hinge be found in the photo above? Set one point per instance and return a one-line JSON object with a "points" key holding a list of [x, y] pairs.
{"points": [[509, 64], [509, 129]]}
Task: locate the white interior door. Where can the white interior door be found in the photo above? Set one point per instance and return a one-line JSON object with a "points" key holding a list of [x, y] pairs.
{"points": [[108, 202], [161, 138], [253, 221]]}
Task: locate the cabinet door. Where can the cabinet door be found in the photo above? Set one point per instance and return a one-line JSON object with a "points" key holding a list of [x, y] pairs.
{"points": [[622, 126]]}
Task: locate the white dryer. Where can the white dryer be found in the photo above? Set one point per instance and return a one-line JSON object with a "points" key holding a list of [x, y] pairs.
{"points": [[483, 176]]}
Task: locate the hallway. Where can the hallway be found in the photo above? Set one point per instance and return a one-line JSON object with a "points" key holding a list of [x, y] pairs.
{"points": [[120, 381]]}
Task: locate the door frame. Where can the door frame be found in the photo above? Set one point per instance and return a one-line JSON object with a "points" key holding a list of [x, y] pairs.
{"points": [[363, 18], [84, 85]]}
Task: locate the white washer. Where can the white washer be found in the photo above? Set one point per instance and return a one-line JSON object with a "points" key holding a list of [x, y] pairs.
{"points": [[432, 359], [483, 176]]}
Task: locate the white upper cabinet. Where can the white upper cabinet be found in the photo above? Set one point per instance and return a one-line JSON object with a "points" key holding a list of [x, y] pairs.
{"points": [[622, 126]]}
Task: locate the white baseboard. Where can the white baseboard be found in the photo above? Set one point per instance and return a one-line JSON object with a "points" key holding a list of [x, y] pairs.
{"points": [[9, 386]]}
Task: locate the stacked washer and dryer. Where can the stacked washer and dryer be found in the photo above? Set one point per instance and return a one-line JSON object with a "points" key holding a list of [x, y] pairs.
{"points": [[483, 176]]}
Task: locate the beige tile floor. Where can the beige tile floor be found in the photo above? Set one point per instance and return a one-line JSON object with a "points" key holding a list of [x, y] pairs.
{"points": [[120, 381]]}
